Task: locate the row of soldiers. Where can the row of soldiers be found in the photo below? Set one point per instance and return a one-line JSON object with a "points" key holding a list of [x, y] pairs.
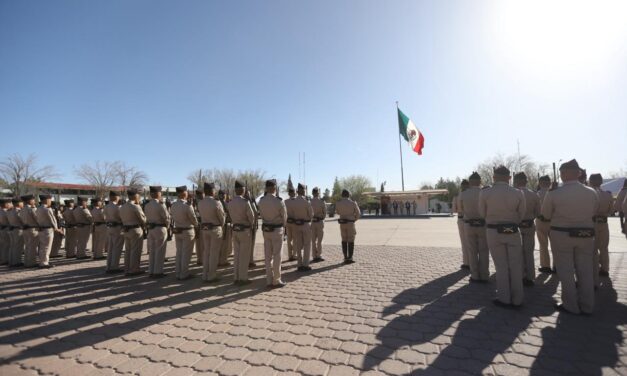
{"points": [[210, 224], [503, 221]]}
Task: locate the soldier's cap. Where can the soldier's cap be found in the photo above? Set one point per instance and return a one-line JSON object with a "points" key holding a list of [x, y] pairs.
{"points": [[155, 188], [181, 189], [44, 197], [81, 199], [131, 192], [501, 171], [464, 182], [114, 194], [474, 176], [270, 183], [15, 201], [208, 187], [300, 186], [238, 184], [26, 198], [199, 192], [345, 193], [545, 178], [520, 176], [315, 190], [596, 177], [291, 190], [66, 202], [570, 165], [95, 200], [221, 192], [3, 201]]}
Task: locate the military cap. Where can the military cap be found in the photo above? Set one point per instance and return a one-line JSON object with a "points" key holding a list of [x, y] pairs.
{"points": [[345, 193], [96, 199], [520, 176], [67, 202], [501, 171], [181, 189], [545, 178], [114, 194], [474, 176], [208, 187], [155, 188], [200, 191], [81, 199], [270, 183], [291, 189], [300, 186], [3, 201], [238, 184], [570, 165], [464, 182], [15, 201], [44, 197], [221, 192], [596, 177], [315, 190], [27, 197], [131, 192]]}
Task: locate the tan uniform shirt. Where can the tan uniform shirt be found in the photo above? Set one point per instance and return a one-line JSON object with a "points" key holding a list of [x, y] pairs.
{"points": [[82, 216], [4, 220], [132, 214], [68, 216], [272, 210], [289, 207], [112, 213], [45, 217], [624, 206], [532, 203], [605, 203], [241, 212], [183, 215], [469, 203], [620, 199], [501, 203], [98, 215], [302, 209], [211, 211], [347, 209], [28, 216], [319, 208], [571, 205], [13, 216], [156, 213]]}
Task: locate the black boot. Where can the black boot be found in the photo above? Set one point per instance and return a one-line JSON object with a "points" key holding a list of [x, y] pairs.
{"points": [[351, 248], [345, 250]]}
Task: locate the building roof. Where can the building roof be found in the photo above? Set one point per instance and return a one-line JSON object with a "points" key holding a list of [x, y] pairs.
{"points": [[428, 192]]}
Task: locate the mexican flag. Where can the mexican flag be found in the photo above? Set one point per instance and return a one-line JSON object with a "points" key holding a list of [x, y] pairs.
{"points": [[410, 132]]}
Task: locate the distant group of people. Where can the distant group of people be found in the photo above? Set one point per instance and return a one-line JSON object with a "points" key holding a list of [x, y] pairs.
{"points": [[404, 207], [503, 220]]}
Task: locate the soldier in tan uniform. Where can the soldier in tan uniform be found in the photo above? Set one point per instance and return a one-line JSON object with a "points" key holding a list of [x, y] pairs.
{"points": [[618, 206], [527, 227], [198, 246], [460, 224], [299, 214], [317, 224], [349, 213], [84, 221], [570, 209], [474, 229], [227, 233], [289, 227], [157, 222], [185, 224], [115, 236], [48, 225], [243, 217], [274, 216], [543, 227], [99, 234], [212, 219], [31, 231], [70, 229], [16, 234], [601, 230], [57, 239], [5, 240], [624, 208], [253, 206], [503, 208], [133, 222]]}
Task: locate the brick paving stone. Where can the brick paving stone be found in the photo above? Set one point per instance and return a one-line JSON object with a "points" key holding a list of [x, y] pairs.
{"points": [[154, 369], [180, 371], [334, 357], [260, 371], [207, 363], [313, 367], [232, 368], [342, 371], [111, 360], [259, 358], [285, 363], [131, 365]]}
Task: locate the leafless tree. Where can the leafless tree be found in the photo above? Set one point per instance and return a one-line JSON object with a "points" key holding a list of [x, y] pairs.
{"points": [[129, 176], [200, 176], [20, 172], [515, 164], [254, 180], [102, 175]]}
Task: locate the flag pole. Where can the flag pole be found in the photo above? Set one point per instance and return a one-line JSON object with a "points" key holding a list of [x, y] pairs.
{"points": [[400, 152]]}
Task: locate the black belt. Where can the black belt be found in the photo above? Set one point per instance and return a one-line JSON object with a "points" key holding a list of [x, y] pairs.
{"points": [[26, 227], [11, 228], [69, 226], [208, 226], [44, 227], [526, 223], [3, 227], [269, 227], [460, 216], [290, 220], [344, 221], [599, 219], [575, 232], [130, 227], [98, 223], [476, 222], [113, 224], [153, 225], [81, 225], [240, 227], [541, 218], [317, 219], [504, 228]]}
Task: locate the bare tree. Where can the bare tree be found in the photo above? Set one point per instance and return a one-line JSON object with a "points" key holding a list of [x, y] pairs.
{"points": [[225, 178], [200, 176], [102, 175], [515, 164], [130, 176], [357, 185], [254, 179], [20, 172]]}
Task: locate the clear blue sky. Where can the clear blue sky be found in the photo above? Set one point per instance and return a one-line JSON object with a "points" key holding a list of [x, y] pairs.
{"points": [[171, 86]]}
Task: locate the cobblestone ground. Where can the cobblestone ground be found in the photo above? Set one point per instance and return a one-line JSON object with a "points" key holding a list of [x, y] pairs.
{"points": [[398, 310]]}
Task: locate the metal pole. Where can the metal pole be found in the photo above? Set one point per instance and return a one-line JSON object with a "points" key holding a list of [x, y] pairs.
{"points": [[400, 151]]}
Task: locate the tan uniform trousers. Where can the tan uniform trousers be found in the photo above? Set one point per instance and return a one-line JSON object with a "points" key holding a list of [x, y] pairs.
{"points": [[31, 245], [156, 249], [317, 232], [82, 238], [57, 239], [5, 244], [253, 237], [601, 244], [133, 248], [302, 243], [289, 232], [348, 232], [227, 244], [478, 254], [573, 258], [45, 237], [506, 250], [199, 249], [212, 243], [272, 248], [17, 246], [70, 242], [184, 248], [528, 236], [462, 239], [241, 254], [542, 231], [99, 240], [115, 243]]}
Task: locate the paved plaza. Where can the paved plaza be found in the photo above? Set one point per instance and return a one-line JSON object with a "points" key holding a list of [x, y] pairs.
{"points": [[404, 307]]}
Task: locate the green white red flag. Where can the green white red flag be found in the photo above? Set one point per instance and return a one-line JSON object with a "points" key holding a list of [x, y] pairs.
{"points": [[410, 133]]}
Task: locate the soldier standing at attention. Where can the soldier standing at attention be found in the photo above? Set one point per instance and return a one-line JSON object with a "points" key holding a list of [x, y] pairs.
{"points": [[289, 227], [185, 223], [624, 208], [31, 231], [5, 240], [157, 222], [133, 221], [115, 236], [70, 229], [543, 227], [527, 227], [474, 229], [212, 221], [503, 208], [198, 247], [301, 215], [99, 237], [618, 206], [16, 234], [317, 224], [349, 213], [58, 236], [253, 205], [83, 220], [460, 224], [601, 230], [274, 217], [227, 234], [242, 217], [47, 223], [570, 209]]}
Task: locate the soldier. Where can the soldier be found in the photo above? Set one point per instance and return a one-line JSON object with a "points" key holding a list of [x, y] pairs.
{"points": [[133, 222], [70, 229], [30, 232], [185, 223], [601, 230], [317, 224], [624, 209], [115, 236], [349, 213], [255, 208], [157, 222], [543, 227], [289, 227], [99, 237], [300, 213], [47, 223], [212, 222], [199, 247], [570, 209], [227, 234], [503, 208], [474, 230], [5, 241], [58, 236], [84, 221], [16, 233], [243, 217], [618, 206], [527, 227], [460, 225], [274, 216]]}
